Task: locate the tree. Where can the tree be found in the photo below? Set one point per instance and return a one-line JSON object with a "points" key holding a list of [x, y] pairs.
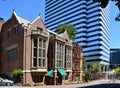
{"points": [[17, 74], [86, 74], [117, 71], [104, 3], [84, 65], [69, 28], [95, 69]]}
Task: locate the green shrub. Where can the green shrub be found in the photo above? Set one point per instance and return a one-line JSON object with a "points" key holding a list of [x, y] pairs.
{"points": [[17, 74], [39, 84]]}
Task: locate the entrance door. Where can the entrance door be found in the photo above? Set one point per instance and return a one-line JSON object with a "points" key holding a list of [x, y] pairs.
{"points": [[59, 80]]}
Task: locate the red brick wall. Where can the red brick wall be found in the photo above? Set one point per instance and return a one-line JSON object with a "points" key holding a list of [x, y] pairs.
{"points": [[77, 58], [1, 23], [9, 66], [33, 26]]}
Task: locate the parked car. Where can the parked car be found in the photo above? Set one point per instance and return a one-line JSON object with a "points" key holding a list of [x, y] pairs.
{"points": [[6, 82]]}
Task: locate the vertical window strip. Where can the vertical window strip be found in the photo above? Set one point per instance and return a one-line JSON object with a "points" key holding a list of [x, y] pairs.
{"points": [[68, 57], [59, 54], [39, 52]]}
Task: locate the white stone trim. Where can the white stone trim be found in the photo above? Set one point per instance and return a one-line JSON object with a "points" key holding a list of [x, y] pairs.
{"points": [[12, 47], [26, 71], [17, 17], [39, 70], [9, 29], [36, 19], [68, 70]]}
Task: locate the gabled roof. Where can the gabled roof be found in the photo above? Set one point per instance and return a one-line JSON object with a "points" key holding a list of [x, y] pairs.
{"points": [[24, 21], [52, 32], [21, 20], [65, 35], [39, 17]]}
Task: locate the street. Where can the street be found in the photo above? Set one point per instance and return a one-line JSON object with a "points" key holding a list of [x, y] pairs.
{"points": [[108, 85], [91, 84]]}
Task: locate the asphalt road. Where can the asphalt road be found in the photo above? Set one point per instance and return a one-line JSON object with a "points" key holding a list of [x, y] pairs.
{"points": [[92, 84], [110, 85]]}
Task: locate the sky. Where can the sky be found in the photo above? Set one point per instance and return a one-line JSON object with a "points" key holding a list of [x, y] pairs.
{"points": [[30, 9]]}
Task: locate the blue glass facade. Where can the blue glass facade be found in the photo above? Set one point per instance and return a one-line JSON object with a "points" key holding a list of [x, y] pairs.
{"points": [[114, 57], [91, 21]]}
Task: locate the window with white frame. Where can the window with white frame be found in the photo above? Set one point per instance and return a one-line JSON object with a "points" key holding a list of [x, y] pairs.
{"points": [[59, 59], [39, 52], [9, 33], [16, 29], [12, 54], [37, 78], [35, 52], [39, 29], [68, 57]]}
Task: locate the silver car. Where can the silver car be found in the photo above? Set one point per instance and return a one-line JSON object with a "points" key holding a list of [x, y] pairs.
{"points": [[6, 82]]}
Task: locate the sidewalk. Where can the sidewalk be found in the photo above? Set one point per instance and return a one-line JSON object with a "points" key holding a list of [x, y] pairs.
{"points": [[75, 85]]}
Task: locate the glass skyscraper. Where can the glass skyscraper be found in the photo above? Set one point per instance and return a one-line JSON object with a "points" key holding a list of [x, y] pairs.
{"points": [[91, 21], [115, 57]]}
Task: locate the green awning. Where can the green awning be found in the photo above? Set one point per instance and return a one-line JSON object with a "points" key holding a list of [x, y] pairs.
{"points": [[50, 73], [62, 72]]}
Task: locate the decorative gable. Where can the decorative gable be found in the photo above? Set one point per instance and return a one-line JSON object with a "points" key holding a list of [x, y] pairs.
{"points": [[38, 28], [66, 37], [38, 24]]}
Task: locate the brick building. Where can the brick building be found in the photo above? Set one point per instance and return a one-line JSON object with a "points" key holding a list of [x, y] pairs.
{"points": [[1, 23], [44, 56], [77, 62]]}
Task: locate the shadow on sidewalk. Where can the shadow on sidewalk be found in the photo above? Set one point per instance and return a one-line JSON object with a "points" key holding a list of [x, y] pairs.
{"points": [[109, 85]]}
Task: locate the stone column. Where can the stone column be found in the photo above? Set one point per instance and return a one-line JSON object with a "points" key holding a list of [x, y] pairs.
{"points": [[63, 80], [55, 77]]}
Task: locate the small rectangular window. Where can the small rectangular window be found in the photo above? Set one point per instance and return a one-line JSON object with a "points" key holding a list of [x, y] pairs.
{"points": [[40, 42], [44, 62], [35, 62], [39, 61], [35, 42], [37, 78], [44, 53], [9, 33], [35, 52], [40, 53], [39, 29], [16, 29], [12, 54], [44, 43]]}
